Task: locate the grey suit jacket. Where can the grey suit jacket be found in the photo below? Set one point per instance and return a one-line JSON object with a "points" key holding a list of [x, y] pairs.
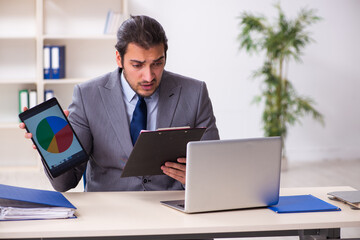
{"points": [[98, 116]]}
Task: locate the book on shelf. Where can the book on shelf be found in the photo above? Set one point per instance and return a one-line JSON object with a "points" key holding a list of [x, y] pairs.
{"points": [[47, 62], [18, 203], [27, 98], [48, 94], [32, 98], [23, 99], [57, 69], [113, 21], [351, 198], [54, 61]]}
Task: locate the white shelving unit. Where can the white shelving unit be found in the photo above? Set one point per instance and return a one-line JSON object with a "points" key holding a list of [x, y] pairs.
{"points": [[25, 27]]}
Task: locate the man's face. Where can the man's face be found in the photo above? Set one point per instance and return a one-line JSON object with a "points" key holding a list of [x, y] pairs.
{"points": [[143, 68]]}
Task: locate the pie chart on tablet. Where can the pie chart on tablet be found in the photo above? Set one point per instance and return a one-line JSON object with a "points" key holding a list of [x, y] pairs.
{"points": [[54, 134]]}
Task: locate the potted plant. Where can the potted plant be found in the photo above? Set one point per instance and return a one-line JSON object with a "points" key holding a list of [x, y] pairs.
{"points": [[281, 42]]}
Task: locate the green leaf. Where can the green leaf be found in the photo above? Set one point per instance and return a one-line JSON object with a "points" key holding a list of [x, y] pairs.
{"points": [[281, 42]]}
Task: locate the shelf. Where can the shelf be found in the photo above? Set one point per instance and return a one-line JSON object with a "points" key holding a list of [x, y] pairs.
{"points": [[14, 37], [17, 81], [80, 17], [79, 37], [21, 169], [65, 81], [9, 125], [18, 19]]}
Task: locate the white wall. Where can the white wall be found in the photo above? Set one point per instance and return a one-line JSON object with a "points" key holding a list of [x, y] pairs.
{"points": [[202, 44]]}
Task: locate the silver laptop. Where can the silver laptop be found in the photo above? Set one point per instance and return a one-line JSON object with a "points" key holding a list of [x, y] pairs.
{"points": [[231, 174]]}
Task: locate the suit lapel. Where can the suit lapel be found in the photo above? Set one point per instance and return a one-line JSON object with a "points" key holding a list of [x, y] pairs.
{"points": [[112, 97], [168, 98], [114, 105]]}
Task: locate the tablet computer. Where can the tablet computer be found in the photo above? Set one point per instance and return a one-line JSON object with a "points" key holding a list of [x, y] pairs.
{"points": [[54, 138], [153, 148]]}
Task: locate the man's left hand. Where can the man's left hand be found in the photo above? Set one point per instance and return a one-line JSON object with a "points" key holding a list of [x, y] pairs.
{"points": [[176, 170]]}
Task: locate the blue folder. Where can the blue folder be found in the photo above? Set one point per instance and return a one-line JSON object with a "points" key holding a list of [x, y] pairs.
{"points": [[43, 197], [302, 203], [57, 70], [47, 62]]}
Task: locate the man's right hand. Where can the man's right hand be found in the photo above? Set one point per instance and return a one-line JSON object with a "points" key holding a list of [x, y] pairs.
{"points": [[29, 135]]}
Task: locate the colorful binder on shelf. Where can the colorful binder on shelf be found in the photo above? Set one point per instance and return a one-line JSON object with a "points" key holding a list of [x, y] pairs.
{"points": [[113, 21], [57, 69], [47, 62], [23, 99], [32, 98], [54, 62], [302, 203], [18, 203], [48, 94]]}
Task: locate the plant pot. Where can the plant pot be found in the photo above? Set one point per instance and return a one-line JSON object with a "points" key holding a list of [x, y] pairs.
{"points": [[284, 163]]}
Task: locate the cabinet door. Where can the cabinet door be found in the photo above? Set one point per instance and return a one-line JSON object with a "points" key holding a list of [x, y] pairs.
{"points": [[17, 18], [79, 26], [25, 26], [78, 17]]}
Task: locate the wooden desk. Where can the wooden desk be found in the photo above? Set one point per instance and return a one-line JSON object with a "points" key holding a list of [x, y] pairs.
{"points": [[139, 215]]}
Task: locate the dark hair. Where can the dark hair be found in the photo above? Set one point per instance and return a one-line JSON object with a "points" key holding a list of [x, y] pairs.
{"points": [[141, 30]]}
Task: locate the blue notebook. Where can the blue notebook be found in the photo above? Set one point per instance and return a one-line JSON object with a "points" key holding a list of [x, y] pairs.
{"points": [[302, 203], [43, 197]]}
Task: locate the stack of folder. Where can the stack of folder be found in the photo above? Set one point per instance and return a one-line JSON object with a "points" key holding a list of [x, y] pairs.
{"points": [[27, 98], [54, 62], [18, 203], [302, 203], [113, 21], [351, 198]]}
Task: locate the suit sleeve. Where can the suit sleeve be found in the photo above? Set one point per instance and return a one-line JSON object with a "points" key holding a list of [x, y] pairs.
{"points": [[78, 120], [205, 115]]}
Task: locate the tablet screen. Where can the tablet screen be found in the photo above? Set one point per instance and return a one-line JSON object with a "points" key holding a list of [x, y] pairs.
{"points": [[54, 137]]}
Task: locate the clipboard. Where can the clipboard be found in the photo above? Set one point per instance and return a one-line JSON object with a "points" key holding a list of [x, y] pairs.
{"points": [[153, 148]]}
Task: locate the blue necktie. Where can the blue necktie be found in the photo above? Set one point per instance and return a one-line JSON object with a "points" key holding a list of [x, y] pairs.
{"points": [[139, 119]]}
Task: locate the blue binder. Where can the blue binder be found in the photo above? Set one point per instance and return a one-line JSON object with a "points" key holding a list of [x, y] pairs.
{"points": [[302, 203], [43, 197], [57, 69], [47, 62]]}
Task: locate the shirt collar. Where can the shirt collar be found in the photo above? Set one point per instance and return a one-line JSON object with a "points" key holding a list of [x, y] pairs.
{"points": [[129, 93]]}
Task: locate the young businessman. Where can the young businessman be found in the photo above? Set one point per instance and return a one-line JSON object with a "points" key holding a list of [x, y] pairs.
{"points": [[102, 111]]}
